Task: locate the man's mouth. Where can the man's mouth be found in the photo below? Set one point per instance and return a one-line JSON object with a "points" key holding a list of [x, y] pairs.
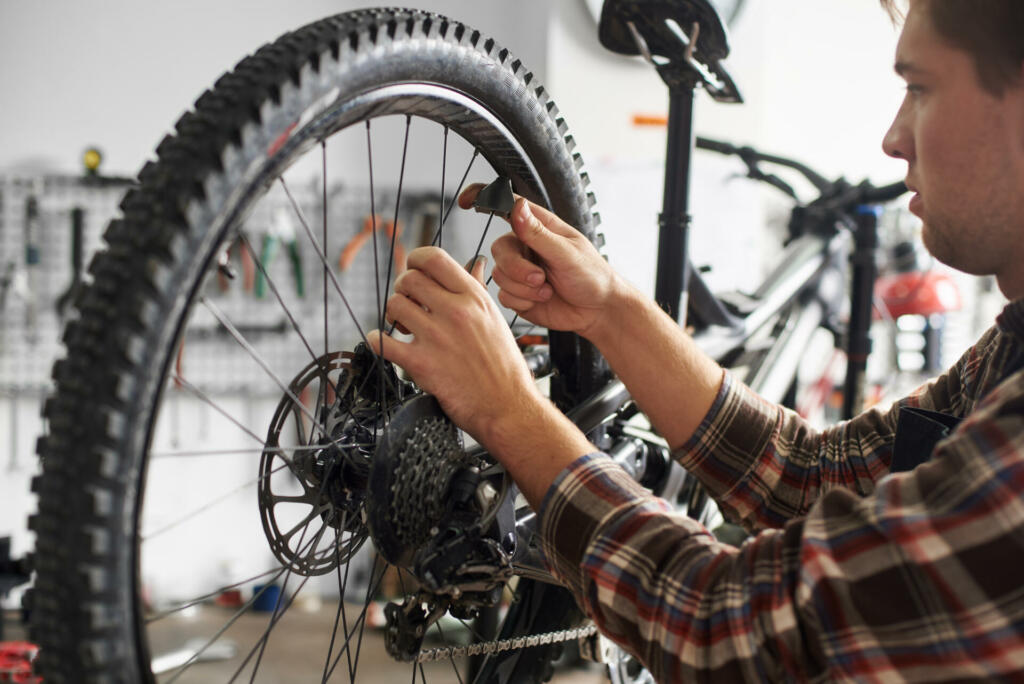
{"points": [[916, 204]]}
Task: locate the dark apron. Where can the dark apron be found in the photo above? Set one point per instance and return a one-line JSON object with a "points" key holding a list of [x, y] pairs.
{"points": [[918, 430]]}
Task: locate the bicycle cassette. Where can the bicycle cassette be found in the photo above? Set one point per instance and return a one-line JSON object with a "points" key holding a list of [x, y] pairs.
{"points": [[415, 469]]}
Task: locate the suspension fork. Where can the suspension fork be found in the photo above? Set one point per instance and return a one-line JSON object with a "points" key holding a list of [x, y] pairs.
{"points": [[671, 281]]}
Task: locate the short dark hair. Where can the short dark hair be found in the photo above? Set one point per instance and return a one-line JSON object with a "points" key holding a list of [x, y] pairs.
{"points": [[991, 31]]}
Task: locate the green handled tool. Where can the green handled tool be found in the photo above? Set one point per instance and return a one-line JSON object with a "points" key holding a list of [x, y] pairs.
{"points": [[282, 230]]}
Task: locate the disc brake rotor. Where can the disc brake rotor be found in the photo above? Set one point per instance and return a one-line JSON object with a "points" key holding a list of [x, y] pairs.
{"points": [[315, 466]]}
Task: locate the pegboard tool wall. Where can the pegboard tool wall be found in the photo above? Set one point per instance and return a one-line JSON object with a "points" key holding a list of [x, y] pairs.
{"points": [[36, 214], [36, 271]]}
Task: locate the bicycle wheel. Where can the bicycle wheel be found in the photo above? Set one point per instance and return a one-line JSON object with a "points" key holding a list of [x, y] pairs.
{"points": [[201, 369]]}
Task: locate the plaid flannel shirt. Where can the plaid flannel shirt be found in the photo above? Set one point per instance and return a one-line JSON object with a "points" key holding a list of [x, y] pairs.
{"points": [[854, 573]]}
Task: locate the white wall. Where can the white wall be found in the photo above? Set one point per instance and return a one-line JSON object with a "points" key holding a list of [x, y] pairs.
{"points": [[118, 73]]}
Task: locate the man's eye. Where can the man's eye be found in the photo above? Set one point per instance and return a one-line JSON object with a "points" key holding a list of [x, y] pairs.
{"points": [[915, 88]]}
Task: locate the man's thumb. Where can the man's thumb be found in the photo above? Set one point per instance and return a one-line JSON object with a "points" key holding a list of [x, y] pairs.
{"points": [[476, 267], [533, 233]]}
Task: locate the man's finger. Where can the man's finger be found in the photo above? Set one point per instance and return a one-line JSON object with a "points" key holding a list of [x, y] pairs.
{"points": [[388, 347], [469, 195], [422, 289], [517, 288], [517, 304], [440, 266], [510, 257], [410, 313]]}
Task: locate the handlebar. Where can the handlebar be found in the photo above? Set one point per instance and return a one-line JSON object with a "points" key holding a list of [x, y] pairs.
{"points": [[836, 195]]}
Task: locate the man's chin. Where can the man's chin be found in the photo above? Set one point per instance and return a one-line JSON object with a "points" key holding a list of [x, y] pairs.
{"points": [[937, 246]]}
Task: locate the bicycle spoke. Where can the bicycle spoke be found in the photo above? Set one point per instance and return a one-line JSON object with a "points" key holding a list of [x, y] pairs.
{"points": [[441, 220], [371, 590], [376, 275], [277, 295], [527, 332], [373, 229], [362, 626], [341, 596], [276, 615], [323, 258], [234, 618], [323, 176], [342, 588], [203, 396], [480, 244], [398, 203], [254, 450], [444, 167], [210, 504], [213, 594], [451, 655], [472, 630], [278, 610], [223, 319], [267, 632]]}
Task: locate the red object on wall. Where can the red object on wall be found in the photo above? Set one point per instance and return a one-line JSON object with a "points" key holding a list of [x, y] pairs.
{"points": [[919, 293], [16, 662]]}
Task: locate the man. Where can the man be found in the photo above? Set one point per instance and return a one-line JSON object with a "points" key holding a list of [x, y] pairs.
{"points": [[856, 571]]}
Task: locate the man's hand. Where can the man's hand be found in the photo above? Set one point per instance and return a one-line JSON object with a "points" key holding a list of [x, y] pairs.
{"points": [[463, 351], [548, 272]]}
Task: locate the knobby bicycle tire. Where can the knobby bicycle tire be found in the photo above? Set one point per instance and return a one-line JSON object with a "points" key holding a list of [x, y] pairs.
{"points": [[87, 612]]}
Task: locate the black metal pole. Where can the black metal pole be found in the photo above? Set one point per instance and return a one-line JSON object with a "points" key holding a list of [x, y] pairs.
{"points": [[858, 343], [674, 223]]}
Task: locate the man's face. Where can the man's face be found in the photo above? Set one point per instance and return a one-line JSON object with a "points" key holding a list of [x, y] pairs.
{"points": [[964, 149]]}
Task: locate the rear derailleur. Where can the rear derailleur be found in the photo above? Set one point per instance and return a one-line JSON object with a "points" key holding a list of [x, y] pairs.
{"points": [[443, 513]]}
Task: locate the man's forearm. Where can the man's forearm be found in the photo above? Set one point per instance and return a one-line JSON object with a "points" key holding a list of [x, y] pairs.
{"points": [[672, 380], [535, 442]]}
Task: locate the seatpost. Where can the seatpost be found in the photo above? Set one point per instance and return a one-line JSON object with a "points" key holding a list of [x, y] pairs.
{"points": [[858, 342], [673, 272]]}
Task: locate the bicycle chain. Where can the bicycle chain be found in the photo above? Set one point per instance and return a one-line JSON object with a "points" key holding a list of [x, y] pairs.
{"points": [[498, 646]]}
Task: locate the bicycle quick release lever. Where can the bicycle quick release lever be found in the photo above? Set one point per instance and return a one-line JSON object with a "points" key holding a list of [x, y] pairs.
{"points": [[496, 198]]}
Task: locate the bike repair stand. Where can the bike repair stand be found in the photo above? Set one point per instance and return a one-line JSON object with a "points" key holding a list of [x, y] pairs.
{"points": [[684, 59]]}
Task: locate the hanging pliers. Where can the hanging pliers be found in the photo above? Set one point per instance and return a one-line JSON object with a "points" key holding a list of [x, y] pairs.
{"points": [[282, 230]]}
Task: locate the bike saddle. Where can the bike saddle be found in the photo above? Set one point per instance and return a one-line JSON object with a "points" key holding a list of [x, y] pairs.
{"points": [[650, 17], [665, 29]]}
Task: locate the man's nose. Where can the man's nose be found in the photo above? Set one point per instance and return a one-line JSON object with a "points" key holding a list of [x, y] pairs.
{"points": [[898, 142]]}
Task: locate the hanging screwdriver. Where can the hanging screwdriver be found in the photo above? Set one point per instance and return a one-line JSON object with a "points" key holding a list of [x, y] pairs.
{"points": [[77, 230], [31, 237]]}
